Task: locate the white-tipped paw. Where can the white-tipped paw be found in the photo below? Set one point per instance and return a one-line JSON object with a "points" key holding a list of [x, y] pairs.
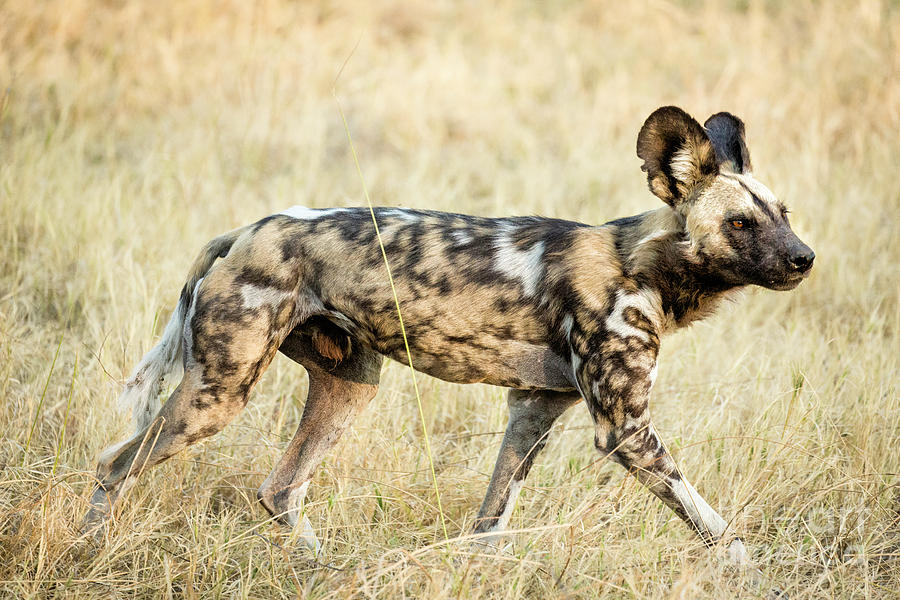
{"points": [[737, 554], [307, 535], [491, 544]]}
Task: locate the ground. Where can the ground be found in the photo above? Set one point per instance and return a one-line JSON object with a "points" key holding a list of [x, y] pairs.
{"points": [[131, 133]]}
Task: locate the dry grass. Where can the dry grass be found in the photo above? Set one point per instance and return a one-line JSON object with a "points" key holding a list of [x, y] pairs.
{"points": [[131, 133]]}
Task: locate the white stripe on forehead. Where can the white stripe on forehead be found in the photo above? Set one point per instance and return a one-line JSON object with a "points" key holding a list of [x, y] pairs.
{"points": [[523, 265], [751, 183], [310, 214], [748, 201]]}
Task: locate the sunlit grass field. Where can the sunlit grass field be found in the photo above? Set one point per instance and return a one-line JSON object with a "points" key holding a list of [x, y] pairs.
{"points": [[131, 133]]}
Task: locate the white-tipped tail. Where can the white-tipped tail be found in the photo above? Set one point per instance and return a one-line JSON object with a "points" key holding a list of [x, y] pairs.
{"points": [[141, 393]]}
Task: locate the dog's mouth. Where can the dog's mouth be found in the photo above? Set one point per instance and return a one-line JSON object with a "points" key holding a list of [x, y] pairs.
{"points": [[788, 282]]}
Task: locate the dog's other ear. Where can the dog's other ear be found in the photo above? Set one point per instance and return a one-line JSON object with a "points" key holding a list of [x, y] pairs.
{"points": [[726, 132], [678, 155]]}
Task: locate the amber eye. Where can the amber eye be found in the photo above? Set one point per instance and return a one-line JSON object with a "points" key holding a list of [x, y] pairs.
{"points": [[737, 223]]}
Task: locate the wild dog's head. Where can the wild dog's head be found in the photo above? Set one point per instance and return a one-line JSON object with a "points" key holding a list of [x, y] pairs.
{"points": [[735, 225]]}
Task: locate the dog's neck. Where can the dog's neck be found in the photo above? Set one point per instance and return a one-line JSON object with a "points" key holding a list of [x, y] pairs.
{"points": [[655, 253]]}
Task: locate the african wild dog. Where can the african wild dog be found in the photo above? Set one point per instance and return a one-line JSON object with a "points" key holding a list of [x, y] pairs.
{"points": [[554, 310]]}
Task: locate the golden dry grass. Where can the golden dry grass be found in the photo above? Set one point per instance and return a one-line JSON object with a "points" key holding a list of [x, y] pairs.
{"points": [[131, 133]]}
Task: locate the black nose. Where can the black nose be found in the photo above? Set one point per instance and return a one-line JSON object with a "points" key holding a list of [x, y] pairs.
{"points": [[803, 259]]}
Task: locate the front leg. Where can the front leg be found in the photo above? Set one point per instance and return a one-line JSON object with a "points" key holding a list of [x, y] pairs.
{"points": [[639, 449], [616, 384]]}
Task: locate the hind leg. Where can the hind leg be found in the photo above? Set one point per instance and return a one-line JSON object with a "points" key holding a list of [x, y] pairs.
{"points": [[339, 388], [179, 424], [228, 343]]}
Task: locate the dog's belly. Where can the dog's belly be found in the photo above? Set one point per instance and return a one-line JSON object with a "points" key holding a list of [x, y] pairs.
{"points": [[511, 364], [451, 351]]}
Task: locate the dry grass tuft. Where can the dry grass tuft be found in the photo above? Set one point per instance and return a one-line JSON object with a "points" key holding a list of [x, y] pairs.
{"points": [[130, 133]]}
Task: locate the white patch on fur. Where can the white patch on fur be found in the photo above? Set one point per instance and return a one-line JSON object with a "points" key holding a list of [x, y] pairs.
{"points": [[682, 165], [639, 423], [643, 302], [187, 332], [523, 265], [576, 364], [462, 236], [758, 188], [701, 513], [310, 214], [748, 205], [397, 213], [308, 535], [576, 361], [653, 373], [295, 502], [255, 296], [566, 326], [294, 516], [653, 236], [500, 526]]}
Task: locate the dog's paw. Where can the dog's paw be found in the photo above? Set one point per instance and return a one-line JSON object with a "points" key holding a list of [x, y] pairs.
{"points": [[490, 545], [307, 535], [94, 524]]}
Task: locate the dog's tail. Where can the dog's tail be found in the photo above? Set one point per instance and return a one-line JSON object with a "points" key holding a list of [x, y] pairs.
{"points": [[141, 393]]}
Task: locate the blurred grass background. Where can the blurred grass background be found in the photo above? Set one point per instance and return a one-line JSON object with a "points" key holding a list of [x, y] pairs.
{"points": [[131, 133]]}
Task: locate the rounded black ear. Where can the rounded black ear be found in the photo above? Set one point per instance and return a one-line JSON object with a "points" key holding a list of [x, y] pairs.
{"points": [[726, 132], [677, 154]]}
